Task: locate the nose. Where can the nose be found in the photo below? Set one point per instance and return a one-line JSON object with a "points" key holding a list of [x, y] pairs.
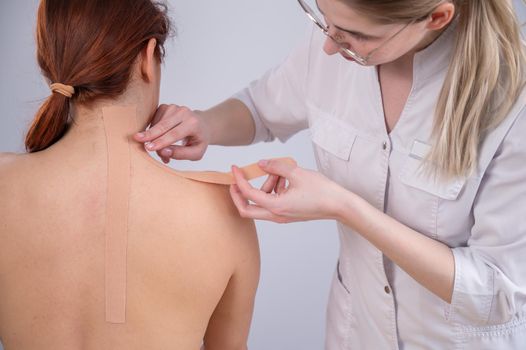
{"points": [[330, 47]]}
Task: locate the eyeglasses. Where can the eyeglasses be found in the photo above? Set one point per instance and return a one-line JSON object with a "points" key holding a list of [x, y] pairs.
{"points": [[363, 60]]}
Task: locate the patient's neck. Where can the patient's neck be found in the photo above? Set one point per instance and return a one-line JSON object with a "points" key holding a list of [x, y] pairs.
{"points": [[87, 127]]}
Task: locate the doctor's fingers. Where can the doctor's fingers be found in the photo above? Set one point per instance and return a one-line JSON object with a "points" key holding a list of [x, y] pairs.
{"points": [[184, 131], [148, 135], [160, 112], [263, 199], [165, 119], [193, 152], [278, 167], [252, 211], [281, 185], [270, 183]]}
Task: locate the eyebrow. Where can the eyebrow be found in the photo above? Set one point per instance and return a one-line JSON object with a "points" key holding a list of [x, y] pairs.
{"points": [[352, 32]]}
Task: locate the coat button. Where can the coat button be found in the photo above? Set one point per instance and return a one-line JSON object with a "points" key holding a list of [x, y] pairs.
{"points": [[387, 290], [384, 145]]}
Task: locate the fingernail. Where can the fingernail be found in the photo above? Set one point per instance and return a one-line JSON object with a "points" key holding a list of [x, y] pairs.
{"points": [[263, 162], [166, 152], [150, 145], [140, 135]]}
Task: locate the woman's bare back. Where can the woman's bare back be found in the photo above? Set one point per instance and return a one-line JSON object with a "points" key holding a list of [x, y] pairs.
{"points": [[192, 262]]}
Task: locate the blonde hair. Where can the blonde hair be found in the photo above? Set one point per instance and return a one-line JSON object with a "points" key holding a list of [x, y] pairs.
{"points": [[485, 76]]}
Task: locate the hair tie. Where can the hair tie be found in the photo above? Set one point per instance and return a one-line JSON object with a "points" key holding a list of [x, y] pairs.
{"points": [[62, 89]]}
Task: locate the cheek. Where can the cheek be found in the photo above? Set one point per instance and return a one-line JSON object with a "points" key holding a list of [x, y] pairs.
{"points": [[391, 52]]}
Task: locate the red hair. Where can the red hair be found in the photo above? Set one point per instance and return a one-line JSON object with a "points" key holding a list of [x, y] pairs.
{"points": [[91, 45]]}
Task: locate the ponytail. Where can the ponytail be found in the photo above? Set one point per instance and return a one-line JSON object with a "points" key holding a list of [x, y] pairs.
{"points": [[485, 77], [96, 59], [50, 123]]}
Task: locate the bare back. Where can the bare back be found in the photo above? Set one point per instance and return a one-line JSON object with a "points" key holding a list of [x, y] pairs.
{"points": [[192, 262]]}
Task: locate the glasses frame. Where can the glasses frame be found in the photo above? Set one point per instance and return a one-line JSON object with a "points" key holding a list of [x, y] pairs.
{"points": [[362, 60]]}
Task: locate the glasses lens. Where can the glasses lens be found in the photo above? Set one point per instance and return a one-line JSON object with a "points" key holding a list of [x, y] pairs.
{"points": [[311, 9]]}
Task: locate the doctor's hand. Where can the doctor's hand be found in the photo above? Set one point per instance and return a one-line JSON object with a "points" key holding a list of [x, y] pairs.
{"points": [[309, 194], [172, 124]]}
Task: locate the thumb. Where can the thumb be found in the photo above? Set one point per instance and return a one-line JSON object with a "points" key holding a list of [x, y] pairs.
{"points": [[277, 167]]}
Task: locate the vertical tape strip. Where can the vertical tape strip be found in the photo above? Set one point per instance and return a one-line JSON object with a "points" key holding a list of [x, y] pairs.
{"points": [[118, 127], [120, 124]]}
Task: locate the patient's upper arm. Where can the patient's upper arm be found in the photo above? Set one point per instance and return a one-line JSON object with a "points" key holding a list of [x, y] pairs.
{"points": [[230, 322]]}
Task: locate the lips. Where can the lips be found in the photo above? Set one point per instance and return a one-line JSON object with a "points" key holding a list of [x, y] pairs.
{"points": [[348, 58]]}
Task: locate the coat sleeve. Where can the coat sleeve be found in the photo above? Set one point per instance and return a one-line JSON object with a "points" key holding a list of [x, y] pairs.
{"points": [[490, 272], [277, 100]]}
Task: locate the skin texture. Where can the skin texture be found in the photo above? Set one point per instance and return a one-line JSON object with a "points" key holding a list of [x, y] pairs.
{"points": [[429, 262], [193, 262]]}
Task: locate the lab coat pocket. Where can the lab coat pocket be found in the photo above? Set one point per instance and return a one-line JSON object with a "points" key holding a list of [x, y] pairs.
{"points": [[416, 175], [339, 315], [331, 134], [511, 335], [340, 278]]}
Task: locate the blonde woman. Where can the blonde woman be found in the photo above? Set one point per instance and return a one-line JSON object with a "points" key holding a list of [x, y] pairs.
{"points": [[416, 110]]}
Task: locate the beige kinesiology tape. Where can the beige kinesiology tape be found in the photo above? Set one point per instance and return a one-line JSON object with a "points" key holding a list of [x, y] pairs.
{"points": [[116, 223]]}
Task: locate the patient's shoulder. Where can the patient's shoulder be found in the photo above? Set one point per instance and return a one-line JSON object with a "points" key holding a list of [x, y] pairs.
{"points": [[13, 165], [8, 161], [7, 157], [207, 207], [219, 203], [14, 168], [241, 232], [217, 210], [8, 176]]}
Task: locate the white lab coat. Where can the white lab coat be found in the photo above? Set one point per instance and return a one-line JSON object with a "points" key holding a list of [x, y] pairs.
{"points": [[374, 304]]}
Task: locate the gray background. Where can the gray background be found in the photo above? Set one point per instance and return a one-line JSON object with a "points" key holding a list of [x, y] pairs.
{"points": [[221, 46]]}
